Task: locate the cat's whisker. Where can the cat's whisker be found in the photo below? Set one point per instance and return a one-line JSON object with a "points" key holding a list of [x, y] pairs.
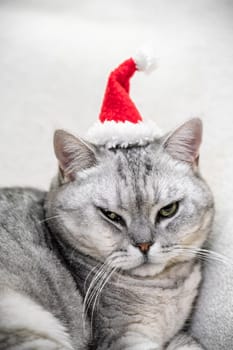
{"points": [[93, 289], [101, 276], [97, 284], [89, 275], [94, 285], [217, 255], [99, 290], [86, 302], [205, 254], [104, 281], [49, 218], [214, 256]]}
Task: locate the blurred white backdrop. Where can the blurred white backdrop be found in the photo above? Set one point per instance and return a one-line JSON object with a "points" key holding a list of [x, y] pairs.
{"points": [[55, 57]]}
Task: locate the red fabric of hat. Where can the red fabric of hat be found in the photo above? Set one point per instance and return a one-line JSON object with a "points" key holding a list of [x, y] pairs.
{"points": [[117, 105]]}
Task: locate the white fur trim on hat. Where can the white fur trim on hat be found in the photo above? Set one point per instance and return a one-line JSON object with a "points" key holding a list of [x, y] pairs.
{"points": [[111, 134]]}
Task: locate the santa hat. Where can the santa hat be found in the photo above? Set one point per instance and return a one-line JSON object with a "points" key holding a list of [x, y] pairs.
{"points": [[120, 123]]}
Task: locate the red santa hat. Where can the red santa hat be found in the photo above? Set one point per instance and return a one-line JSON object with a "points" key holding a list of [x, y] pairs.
{"points": [[120, 123]]}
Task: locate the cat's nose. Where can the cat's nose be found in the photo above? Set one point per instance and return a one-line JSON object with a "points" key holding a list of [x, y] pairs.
{"points": [[144, 247]]}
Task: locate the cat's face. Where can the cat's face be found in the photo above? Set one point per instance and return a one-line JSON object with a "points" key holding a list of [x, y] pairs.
{"points": [[137, 209]]}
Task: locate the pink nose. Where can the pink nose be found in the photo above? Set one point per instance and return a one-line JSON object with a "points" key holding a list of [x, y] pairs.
{"points": [[144, 247]]}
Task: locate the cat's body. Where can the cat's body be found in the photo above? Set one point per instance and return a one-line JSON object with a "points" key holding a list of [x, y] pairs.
{"points": [[135, 270], [32, 275], [134, 314], [40, 306]]}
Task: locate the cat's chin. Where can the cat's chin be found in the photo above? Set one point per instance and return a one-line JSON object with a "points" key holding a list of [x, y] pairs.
{"points": [[147, 270]]}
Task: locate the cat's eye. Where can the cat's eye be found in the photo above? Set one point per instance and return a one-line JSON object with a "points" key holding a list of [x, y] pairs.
{"points": [[168, 211], [112, 216]]}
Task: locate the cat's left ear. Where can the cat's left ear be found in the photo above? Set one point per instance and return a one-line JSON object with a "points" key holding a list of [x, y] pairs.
{"points": [[184, 143], [73, 154]]}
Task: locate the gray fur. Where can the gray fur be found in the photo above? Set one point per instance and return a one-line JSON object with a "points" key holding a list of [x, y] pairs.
{"points": [[131, 300], [30, 267]]}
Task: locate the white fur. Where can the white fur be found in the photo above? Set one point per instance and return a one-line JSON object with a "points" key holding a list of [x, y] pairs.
{"points": [[137, 341], [20, 312], [157, 260], [112, 134]]}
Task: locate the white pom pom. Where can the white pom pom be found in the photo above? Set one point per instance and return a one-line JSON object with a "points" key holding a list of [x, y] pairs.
{"points": [[145, 61]]}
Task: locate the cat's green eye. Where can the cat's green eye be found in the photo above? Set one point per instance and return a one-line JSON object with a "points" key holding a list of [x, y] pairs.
{"points": [[168, 211], [112, 216]]}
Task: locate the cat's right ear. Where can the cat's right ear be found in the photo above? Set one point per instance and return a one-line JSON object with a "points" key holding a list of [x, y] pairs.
{"points": [[184, 143], [73, 154]]}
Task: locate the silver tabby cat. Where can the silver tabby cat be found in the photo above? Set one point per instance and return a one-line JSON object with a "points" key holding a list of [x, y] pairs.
{"points": [[108, 258]]}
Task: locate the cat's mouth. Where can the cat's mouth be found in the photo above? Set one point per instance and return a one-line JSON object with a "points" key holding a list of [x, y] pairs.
{"points": [[133, 262], [147, 269], [145, 259]]}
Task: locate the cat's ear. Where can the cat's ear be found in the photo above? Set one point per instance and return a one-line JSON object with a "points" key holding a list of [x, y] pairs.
{"points": [[184, 143], [73, 154]]}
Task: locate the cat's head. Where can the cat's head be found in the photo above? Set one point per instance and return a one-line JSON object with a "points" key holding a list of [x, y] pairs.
{"points": [[137, 208]]}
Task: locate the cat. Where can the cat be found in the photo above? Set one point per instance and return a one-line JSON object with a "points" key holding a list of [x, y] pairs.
{"points": [[108, 258]]}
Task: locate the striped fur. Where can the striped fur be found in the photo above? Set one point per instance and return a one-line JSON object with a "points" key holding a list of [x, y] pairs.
{"points": [[70, 278], [40, 307]]}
